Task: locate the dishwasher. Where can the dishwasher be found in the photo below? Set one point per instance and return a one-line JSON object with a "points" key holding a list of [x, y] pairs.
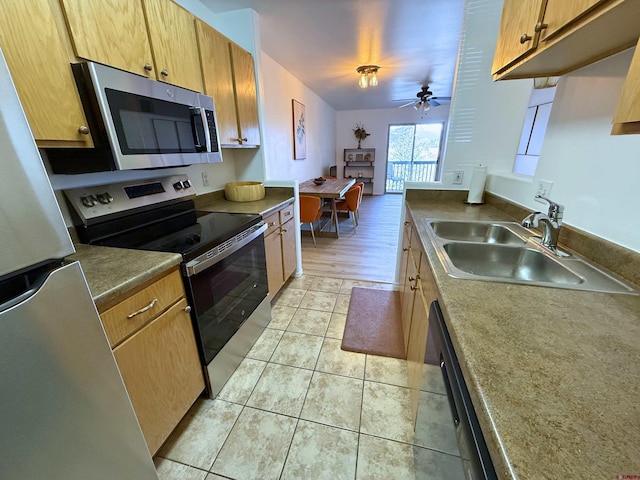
{"points": [[476, 461]]}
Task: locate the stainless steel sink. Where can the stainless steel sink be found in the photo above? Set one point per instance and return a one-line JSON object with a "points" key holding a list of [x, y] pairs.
{"points": [[508, 252], [514, 263], [478, 232]]}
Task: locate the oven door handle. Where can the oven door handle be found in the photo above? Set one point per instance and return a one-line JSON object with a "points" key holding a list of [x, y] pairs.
{"points": [[204, 261]]}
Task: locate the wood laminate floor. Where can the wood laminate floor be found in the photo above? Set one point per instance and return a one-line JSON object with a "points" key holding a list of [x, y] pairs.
{"points": [[368, 254]]}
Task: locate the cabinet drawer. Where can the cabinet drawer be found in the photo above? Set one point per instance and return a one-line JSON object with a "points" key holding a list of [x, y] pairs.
{"points": [[123, 319], [272, 222], [286, 214]]}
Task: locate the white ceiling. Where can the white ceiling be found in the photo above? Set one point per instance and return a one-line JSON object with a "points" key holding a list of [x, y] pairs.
{"points": [[321, 42]]}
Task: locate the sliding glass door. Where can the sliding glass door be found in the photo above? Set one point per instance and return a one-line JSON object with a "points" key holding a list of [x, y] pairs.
{"points": [[413, 154]]}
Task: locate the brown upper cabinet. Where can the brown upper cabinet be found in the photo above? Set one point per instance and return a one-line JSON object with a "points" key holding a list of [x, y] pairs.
{"points": [[627, 116], [155, 38], [38, 51], [229, 77], [518, 34], [541, 38]]}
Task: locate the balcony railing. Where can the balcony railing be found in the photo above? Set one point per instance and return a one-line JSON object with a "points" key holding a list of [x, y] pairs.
{"points": [[400, 172]]}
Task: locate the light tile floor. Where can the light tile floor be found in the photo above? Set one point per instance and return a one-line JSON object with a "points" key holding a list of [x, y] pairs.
{"points": [[298, 407]]}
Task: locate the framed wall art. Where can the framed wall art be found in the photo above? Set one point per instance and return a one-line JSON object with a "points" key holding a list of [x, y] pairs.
{"points": [[299, 131]]}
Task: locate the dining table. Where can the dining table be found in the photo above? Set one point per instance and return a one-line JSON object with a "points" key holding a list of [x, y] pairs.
{"points": [[332, 189]]}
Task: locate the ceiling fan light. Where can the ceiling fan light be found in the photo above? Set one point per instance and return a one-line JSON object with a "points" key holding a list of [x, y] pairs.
{"points": [[373, 81]]}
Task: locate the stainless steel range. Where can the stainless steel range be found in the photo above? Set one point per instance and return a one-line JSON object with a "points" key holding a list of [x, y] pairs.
{"points": [[223, 267]]}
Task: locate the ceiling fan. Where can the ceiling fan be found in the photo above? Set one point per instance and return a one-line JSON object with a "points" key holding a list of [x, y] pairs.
{"points": [[425, 100]]}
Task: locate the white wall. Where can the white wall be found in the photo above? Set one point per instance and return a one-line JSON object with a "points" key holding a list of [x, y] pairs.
{"points": [[376, 123], [595, 174], [279, 88]]}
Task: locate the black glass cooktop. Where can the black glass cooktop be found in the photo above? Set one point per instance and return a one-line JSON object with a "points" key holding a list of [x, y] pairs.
{"points": [[186, 231]]}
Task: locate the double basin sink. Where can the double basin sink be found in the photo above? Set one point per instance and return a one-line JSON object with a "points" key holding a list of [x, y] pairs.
{"points": [[508, 252]]}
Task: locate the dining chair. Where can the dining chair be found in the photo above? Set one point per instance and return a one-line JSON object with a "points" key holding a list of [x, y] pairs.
{"points": [[351, 203], [310, 211]]}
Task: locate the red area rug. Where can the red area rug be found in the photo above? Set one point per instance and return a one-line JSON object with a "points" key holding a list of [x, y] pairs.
{"points": [[374, 323]]}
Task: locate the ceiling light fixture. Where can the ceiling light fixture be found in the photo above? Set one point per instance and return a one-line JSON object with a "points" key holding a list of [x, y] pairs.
{"points": [[368, 75]]}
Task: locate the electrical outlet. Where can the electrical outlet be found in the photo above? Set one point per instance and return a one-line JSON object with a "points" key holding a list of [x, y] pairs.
{"points": [[457, 177], [544, 188], [205, 179]]}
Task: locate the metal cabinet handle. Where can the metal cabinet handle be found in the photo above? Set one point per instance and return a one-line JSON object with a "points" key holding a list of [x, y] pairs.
{"points": [[187, 308], [287, 213], [405, 249], [148, 67], [84, 130], [411, 279], [525, 38], [284, 230], [540, 26], [164, 72], [142, 310], [271, 224], [414, 287]]}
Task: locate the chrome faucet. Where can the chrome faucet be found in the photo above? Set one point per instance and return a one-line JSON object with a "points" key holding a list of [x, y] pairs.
{"points": [[551, 222]]}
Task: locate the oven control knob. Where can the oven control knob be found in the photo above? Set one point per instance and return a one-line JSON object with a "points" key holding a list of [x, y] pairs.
{"points": [[177, 186], [88, 200], [186, 184], [104, 198]]}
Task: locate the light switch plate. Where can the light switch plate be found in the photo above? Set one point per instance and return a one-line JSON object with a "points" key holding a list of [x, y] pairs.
{"points": [[457, 177]]}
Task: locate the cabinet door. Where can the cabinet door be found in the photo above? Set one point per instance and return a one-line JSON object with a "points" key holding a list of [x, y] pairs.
{"points": [[560, 13], [416, 347], [215, 59], [627, 117], [517, 36], [37, 50], [408, 298], [288, 249], [406, 237], [244, 79], [172, 33], [273, 251], [111, 32], [161, 369]]}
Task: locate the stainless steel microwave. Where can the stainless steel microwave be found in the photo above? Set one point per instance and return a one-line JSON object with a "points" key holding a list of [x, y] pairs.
{"points": [[138, 123]]}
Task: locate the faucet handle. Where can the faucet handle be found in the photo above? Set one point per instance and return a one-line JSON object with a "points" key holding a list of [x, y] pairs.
{"points": [[555, 209]]}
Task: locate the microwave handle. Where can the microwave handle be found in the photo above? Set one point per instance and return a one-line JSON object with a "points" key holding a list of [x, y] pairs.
{"points": [[201, 135]]}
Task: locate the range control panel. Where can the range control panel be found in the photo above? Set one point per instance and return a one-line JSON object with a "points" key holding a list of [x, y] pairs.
{"points": [[94, 203]]}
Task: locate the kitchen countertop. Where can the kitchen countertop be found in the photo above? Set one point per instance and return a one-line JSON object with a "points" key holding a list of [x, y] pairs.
{"points": [[275, 198], [554, 374], [112, 273]]}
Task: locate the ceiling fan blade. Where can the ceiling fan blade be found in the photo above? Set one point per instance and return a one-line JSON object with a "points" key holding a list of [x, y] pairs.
{"points": [[412, 102], [433, 102]]}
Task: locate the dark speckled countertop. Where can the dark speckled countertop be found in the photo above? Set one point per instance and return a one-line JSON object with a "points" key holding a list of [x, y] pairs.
{"points": [[112, 273], [554, 374]]}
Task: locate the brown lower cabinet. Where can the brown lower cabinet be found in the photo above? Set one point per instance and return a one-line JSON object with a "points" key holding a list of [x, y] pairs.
{"points": [[419, 291], [280, 247], [158, 358]]}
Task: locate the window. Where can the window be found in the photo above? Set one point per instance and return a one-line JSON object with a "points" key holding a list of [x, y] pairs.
{"points": [[535, 126], [413, 154]]}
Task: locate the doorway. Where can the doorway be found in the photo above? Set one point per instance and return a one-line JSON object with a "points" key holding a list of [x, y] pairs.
{"points": [[413, 154]]}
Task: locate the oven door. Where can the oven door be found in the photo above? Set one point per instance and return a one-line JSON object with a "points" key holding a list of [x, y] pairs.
{"points": [[225, 294]]}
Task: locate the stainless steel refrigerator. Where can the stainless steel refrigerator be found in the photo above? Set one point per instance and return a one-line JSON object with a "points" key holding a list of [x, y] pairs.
{"points": [[64, 410]]}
